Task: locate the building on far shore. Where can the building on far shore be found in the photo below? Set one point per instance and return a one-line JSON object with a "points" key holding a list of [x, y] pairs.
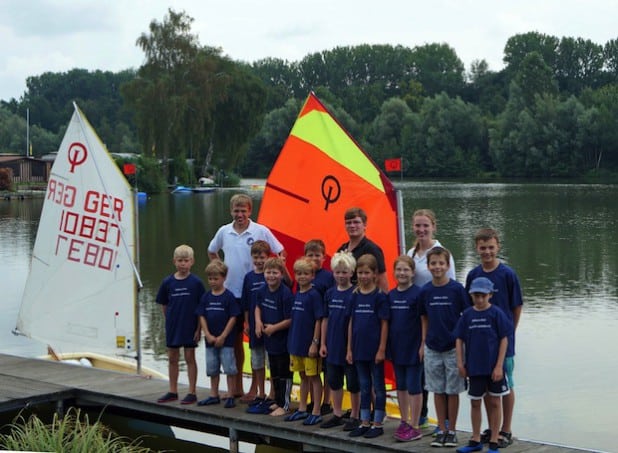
{"points": [[26, 169]]}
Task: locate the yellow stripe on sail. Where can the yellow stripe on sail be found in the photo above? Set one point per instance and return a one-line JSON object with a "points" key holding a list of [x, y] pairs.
{"points": [[338, 145]]}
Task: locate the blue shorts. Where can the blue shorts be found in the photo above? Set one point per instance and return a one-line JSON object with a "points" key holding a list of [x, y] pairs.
{"points": [[335, 374], [441, 372], [258, 357], [509, 366], [408, 378], [217, 357], [481, 385]]}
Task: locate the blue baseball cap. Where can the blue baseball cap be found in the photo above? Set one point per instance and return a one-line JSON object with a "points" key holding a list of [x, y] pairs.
{"points": [[482, 285]]}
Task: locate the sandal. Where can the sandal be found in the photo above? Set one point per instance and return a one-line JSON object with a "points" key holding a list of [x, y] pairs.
{"points": [[486, 436], [505, 439]]}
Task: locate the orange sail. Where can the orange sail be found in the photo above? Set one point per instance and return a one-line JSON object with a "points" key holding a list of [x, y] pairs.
{"points": [[320, 172]]}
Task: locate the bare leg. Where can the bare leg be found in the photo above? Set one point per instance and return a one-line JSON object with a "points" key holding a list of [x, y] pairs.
{"points": [[172, 358], [416, 402], [404, 407], [191, 368], [214, 385], [453, 410], [494, 411], [239, 354], [315, 382], [304, 392], [440, 400], [508, 404], [476, 417], [337, 396]]}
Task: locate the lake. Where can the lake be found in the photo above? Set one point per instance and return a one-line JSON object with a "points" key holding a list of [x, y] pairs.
{"points": [[560, 238]]}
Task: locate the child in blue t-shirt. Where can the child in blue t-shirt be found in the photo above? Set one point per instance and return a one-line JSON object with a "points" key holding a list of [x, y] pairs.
{"points": [[482, 337], [367, 335], [405, 348], [179, 295], [442, 302], [304, 341], [217, 311], [272, 322], [508, 297], [335, 342], [253, 281]]}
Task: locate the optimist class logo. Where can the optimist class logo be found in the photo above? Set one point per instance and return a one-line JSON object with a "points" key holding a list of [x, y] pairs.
{"points": [[77, 155]]}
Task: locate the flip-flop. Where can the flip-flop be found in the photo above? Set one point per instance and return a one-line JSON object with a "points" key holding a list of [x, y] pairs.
{"points": [[296, 415]]}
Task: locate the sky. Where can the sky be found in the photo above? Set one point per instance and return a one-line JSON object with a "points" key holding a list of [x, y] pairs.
{"points": [[38, 36]]}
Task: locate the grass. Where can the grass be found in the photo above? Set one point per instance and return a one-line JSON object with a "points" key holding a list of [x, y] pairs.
{"points": [[73, 433]]}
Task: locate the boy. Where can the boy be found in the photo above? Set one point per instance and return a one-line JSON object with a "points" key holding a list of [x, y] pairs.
{"points": [[482, 332], [508, 297], [179, 295], [235, 240], [254, 280], [304, 341], [218, 310], [315, 249], [272, 321], [442, 301], [335, 340]]}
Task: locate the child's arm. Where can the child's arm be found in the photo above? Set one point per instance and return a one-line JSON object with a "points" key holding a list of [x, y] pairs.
{"points": [[198, 332], [424, 323], [259, 327], [210, 339], [381, 354], [164, 310], [246, 326], [324, 328], [317, 328], [460, 362], [516, 316], [498, 372], [220, 340], [270, 329], [349, 358]]}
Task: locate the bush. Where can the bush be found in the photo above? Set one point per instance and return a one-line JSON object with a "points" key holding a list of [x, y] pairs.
{"points": [[73, 433]]}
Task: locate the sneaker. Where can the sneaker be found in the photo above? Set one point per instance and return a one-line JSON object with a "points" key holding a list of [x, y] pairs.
{"points": [[296, 415], [472, 446], [374, 432], [209, 401], [351, 424], [450, 439], [332, 422], [262, 408], [312, 420], [169, 396], [359, 431], [413, 434], [436, 432], [401, 430], [439, 440], [189, 399], [229, 403]]}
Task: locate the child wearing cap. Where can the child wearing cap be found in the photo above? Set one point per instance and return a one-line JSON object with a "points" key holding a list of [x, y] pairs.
{"points": [[482, 337]]}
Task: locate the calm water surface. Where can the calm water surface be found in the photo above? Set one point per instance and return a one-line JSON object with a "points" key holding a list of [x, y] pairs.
{"points": [[561, 239]]}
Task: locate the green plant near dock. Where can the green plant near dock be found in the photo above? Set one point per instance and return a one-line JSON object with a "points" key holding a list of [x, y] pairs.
{"points": [[71, 434]]}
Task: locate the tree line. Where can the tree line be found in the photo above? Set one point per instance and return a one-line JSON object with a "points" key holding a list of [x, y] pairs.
{"points": [[552, 111]]}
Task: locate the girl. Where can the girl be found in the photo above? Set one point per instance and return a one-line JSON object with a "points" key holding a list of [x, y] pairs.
{"points": [[405, 348], [367, 335]]}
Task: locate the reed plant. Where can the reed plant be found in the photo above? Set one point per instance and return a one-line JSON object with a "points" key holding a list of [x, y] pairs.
{"points": [[73, 433]]}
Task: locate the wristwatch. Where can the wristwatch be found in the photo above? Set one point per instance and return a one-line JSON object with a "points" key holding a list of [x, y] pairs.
{"points": [[316, 341]]}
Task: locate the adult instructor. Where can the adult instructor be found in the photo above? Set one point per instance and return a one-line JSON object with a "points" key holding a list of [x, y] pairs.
{"points": [[359, 244], [235, 240]]}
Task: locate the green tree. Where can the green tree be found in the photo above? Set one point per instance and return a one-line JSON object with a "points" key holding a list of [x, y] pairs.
{"points": [[438, 68], [535, 77], [579, 64], [385, 136]]}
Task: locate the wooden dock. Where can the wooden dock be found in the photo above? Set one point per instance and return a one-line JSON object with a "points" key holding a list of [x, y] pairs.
{"points": [[32, 382]]}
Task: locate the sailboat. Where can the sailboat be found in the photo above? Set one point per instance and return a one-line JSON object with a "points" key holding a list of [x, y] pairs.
{"points": [[80, 296], [322, 171]]}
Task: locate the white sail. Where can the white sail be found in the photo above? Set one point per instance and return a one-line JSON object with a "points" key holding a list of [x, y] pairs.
{"points": [[81, 290]]}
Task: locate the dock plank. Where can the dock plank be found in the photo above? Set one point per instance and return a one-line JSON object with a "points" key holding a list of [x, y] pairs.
{"points": [[33, 381]]}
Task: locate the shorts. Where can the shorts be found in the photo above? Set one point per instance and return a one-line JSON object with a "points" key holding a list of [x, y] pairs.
{"points": [[408, 378], [480, 385], [311, 366], [441, 373], [185, 346], [217, 357], [509, 366], [258, 357], [335, 374]]}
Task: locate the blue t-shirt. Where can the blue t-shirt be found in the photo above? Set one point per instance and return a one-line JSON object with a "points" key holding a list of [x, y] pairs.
{"points": [[306, 310], [443, 306], [481, 332], [367, 312], [507, 295], [337, 310], [276, 306], [252, 282], [404, 330], [217, 310], [180, 298], [323, 280]]}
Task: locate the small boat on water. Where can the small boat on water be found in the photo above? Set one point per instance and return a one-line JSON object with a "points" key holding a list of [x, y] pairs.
{"points": [[197, 189], [81, 291]]}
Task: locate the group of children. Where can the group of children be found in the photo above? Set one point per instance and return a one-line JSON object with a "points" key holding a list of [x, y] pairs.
{"points": [[442, 333]]}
